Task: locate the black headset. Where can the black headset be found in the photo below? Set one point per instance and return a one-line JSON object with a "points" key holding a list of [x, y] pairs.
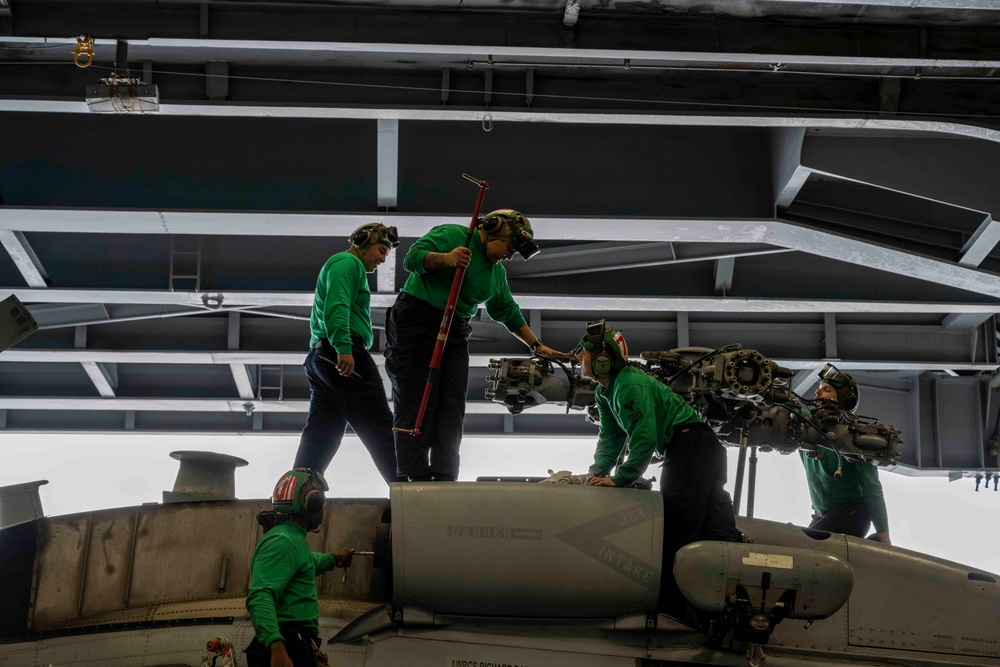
{"points": [[601, 362], [314, 499], [374, 232]]}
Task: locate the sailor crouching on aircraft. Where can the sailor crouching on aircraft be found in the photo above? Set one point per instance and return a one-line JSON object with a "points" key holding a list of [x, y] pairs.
{"points": [[850, 503], [282, 600], [636, 408]]}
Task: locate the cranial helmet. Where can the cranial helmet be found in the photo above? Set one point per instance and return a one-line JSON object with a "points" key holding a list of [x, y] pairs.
{"points": [[301, 493], [848, 392], [510, 225], [611, 351], [372, 233]]}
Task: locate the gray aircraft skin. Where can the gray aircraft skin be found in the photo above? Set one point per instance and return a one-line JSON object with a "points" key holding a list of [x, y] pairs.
{"points": [[493, 574]]}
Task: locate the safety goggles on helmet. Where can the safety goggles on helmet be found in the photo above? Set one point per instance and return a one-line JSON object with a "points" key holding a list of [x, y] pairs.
{"points": [[834, 377], [389, 236], [375, 232], [522, 240], [592, 337]]}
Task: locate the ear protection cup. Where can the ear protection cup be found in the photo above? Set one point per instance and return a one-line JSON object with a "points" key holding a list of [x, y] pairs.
{"points": [[602, 363], [849, 400], [313, 501], [492, 224], [362, 235]]}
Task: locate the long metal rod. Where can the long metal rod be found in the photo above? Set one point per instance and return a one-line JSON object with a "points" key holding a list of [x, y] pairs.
{"points": [[740, 467], [449, 312], [752, 481]]}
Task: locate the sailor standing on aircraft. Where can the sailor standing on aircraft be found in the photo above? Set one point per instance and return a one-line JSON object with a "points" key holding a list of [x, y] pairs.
{"points": [[638, 410], [851, 503], [344, 383], [281, 599], [415, 319]]}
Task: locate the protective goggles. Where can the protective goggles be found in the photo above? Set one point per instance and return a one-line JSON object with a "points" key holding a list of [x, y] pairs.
{"points": [[593, 336], [523, 244], [832, 376], [390, 237]]}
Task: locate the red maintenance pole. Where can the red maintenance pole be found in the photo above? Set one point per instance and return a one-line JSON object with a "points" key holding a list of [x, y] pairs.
{"points": [[449, 312]]}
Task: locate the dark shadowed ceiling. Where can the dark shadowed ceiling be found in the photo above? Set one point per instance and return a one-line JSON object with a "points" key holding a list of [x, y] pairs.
{"points": [[812, 179]]}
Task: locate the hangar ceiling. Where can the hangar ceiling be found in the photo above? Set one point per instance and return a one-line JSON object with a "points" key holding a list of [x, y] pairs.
{"points": [[816, 180]]}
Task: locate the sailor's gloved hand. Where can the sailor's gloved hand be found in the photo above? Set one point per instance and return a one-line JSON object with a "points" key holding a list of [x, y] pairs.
{"points": [[600, 481], [880, 537], [344, 557]]}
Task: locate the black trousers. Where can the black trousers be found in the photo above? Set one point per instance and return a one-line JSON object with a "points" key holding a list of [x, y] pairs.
{"points": [[849, 518], [411, 334], [696, 506], [336, 401], [297, 644]]}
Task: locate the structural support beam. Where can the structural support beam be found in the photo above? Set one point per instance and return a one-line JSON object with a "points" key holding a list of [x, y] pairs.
{"points": [[103, 375], [253, 301], [724, 268], [964, 321], [24, 258], [787, 173], [830, 338], [388, 163], [755, 231], [244, 385], [612, 256], [981, 243]]}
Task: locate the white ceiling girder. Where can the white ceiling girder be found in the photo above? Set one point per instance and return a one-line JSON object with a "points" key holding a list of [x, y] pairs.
{"points": [[981, 243], [24, 258], [101, 377], [275, 52], [768, 231], [241, 377], [243, 357], [525, 301], [237, 405], [942, 126]]}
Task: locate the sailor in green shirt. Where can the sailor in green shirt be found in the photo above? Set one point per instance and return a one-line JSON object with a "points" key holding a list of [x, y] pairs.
{"points": [[345, 386], [282, 600], [412, 329], [852, 503], [638, 411]]}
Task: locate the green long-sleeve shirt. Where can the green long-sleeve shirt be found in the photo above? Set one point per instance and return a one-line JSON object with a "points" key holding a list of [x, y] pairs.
{"points": [[342, 303], [484, 283], [859, 480], [638, 409], [283, 575]]}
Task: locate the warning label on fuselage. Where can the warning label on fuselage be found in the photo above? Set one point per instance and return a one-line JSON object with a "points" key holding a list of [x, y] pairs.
{"points": [[483, 663], [494, 532]]}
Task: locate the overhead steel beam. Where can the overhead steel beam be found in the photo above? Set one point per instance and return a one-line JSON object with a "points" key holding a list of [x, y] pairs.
{"points": [[981, 243], [103, 376], [787, 173], [525, 301], [611, 256], [476, 360], [894, 164], [724, 269], [241, 376], [940, 126], [237, 405], [964, 321], [24, 258], [285, 53], [758, 231]]}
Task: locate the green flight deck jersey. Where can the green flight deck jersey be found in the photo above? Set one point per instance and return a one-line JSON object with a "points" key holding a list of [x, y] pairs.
{"points": [[341, 304], [283, 575], [638, 409], [859, 480], [484, 283]]}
